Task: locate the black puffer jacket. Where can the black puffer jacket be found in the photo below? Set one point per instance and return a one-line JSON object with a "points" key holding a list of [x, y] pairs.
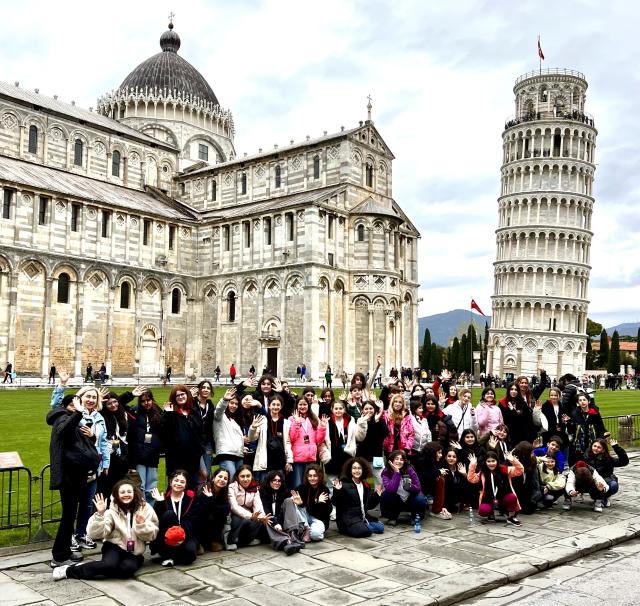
{"points": [[141, 453], [604, 464], [64, 429]]}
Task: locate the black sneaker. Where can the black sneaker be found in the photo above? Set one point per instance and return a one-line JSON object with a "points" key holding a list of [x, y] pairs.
{"points": [[291, 548], [86, 542], [514, 521], [75, 546], [70, 562], [489, 519]]}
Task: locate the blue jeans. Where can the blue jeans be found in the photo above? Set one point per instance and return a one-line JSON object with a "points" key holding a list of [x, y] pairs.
{"points": [[376, 527], [206, 458], [85, 507], [230, 465], [149, 481], [297, 474], [613, 487]]}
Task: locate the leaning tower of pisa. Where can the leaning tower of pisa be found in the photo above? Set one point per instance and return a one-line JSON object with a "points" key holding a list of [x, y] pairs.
{"points": [[544, 228]]}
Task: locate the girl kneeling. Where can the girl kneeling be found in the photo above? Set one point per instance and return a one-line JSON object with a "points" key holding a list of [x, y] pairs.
{"points": [[125, 528], [401, 489], [497, 490]]}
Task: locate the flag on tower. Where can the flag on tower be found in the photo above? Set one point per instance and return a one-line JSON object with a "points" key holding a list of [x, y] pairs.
{"points": [[475, 306], [540, 53]]}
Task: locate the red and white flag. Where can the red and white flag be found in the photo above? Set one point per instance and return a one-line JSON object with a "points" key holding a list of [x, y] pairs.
{"points": [[540, 53], [475, 306]]}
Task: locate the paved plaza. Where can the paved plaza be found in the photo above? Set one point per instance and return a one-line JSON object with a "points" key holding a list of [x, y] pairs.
{"points": [[448, 562]]}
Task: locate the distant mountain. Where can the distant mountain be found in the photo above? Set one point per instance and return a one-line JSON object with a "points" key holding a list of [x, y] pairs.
{"points": [[444, 327], [629, 329]]}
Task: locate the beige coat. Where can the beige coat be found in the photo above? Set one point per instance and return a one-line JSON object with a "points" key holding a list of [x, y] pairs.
{"points": [[112, 527]]}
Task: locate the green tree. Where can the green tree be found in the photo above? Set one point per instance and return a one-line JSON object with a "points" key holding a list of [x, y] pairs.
{"points": [[463, 360], [425, 354], [614, 354], [592, 357], [436, 357], [593, 328], [454, 356], [603, 358]]}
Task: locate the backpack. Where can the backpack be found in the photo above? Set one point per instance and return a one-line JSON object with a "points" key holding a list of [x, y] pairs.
{"points": [[81, 453]]}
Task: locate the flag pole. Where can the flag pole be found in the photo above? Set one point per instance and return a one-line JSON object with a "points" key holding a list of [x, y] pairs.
{"points": [[539, 57]]}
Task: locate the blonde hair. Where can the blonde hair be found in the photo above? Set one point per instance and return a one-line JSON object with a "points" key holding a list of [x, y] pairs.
{"points": [[84, 390]]}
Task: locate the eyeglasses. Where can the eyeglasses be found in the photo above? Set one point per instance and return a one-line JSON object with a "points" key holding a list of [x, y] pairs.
{"points": [[277, 480], [181, 393]]}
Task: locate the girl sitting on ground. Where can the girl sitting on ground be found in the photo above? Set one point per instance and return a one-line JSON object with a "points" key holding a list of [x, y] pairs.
{"points": [[497, 440], [315, 504], [496, 491], [401, 489], [598, 457], [215, 512], [353, 498], [552, 480], [124, 528], [432, 480]]}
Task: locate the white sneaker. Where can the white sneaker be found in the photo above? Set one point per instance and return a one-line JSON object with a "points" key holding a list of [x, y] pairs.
{"points": [[59, 573], [168, 563], [255, 542], [597, 506]]}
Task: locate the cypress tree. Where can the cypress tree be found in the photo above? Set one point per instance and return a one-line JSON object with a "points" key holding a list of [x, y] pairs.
{"points": [[603, 359], [425, 356], [463, 360], [454, 356], [614, 354], [436, 357]]}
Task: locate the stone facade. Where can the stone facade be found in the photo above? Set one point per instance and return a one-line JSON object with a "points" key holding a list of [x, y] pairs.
{"points": [[119, 245], [544, 232]]}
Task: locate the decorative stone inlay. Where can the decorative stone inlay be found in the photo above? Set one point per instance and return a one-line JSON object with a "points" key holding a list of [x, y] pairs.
{"points": [[9, 121], [159, 227], [260, 171], [378, 282], [216, 232], [278, 220], [256, 224], [333, 152], [27, 199], [91, 213], [236, 229], [210, 295], [198, 186], [300, 216], [56, 134], [377, 227], [96, 280], [185, 232], [228, 179], [151, 288], [134, 159], [99, 149], [294, 287], [120, 220], [361, 282], [60, 207], [133, 221], [251, 292], [272, 290], [296, 163], [32, 271]]}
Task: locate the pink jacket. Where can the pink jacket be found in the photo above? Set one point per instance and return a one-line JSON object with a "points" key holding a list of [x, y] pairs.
{"points": [[489, 417], [305, 452], [243, 503], [407, 432]]}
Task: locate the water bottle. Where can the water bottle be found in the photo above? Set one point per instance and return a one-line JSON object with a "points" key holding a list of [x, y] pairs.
{"points": [[472, 520], [417, 526]]}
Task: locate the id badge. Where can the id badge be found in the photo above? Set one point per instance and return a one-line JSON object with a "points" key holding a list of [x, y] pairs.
{"points": [[147, 438], [306, 440], [130, 545], [115, 444]]}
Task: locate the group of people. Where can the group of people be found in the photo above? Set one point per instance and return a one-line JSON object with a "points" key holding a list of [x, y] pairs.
{"points": [[266, 465]]}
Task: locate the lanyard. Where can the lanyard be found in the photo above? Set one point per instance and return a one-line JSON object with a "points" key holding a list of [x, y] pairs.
{"points": [[494, 488], [177, 510], [129, 525]]}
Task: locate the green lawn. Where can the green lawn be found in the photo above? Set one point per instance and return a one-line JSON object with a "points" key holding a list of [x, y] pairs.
{"points": [[23, 429]]}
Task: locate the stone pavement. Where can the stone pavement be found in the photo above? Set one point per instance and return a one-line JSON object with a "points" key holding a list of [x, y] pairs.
{"points": [[448, 562]]}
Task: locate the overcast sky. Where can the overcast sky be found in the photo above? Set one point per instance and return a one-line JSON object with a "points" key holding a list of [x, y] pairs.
{"points": [[441, 76]]}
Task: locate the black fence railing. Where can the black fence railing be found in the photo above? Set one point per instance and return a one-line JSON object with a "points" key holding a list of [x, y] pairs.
{"points": [[15, 499]]}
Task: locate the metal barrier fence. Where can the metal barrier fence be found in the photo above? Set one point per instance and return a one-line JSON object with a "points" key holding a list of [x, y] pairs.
{"points": [[15, 499], [625, 428], [48, 512]]}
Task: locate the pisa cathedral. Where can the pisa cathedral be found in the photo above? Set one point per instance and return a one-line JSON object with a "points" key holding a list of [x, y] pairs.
{"points": [[543, 240], [133, 235]]}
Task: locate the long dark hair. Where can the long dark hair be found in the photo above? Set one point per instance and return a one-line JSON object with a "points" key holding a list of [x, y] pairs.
{"points": [[224, 492], [524, 451], [366, 468], [267, 491], [310, 414], [393, 455], [154, 414], [138, 498]]}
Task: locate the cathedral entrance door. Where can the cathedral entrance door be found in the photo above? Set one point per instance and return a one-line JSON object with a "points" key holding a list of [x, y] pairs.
{"points": [[149, 354], [272, 360]]}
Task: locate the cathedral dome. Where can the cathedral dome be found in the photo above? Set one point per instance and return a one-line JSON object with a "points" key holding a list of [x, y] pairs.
{"points": [[167, 70]]}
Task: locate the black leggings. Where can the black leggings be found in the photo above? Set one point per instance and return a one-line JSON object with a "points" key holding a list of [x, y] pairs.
{"points": [[116, 563]]}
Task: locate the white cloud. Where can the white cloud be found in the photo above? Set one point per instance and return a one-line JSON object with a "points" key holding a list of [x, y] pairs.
{"points": [[441, 75]]}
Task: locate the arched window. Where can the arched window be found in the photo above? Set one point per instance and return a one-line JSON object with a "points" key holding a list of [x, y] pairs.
{"points": [[63, 288], [316, 167], [115, 164], [214, 190], [78, 152], [125, 295], [176, 297], [278, 178], [360, 233], [231, 307], [369, 175], [243, 183], [33, 139]]}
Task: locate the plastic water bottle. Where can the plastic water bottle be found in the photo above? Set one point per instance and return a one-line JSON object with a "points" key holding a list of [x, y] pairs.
{"points": [[472, 520], [417, 526]]}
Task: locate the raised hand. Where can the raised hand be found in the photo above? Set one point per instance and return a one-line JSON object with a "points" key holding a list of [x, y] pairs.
{"points": [[462, 469], [206, 491], [378, 359], [343, 396], [257, 420], [229, 394], [324, 420], [194, 392], [139, 390], [157, 495], [100, 504], [538, 404], [443, 472], [337, 484], [472, 458], [365, 395], [253, 381], [454, 444], [537, 443], [277, 385], [64, 376], [104, 392], [296, 498], [168, 406], [493, 442], [77, 404]]}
